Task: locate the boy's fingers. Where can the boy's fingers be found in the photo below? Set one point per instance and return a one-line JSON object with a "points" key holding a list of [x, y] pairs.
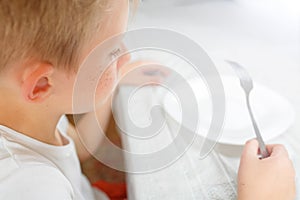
{"points": [[251, 148], [277, 149], [142, 72], [156, 71], [137, 64]]}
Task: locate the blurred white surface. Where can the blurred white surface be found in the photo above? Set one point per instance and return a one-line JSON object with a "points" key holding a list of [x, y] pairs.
{"points": [[226, 26]]}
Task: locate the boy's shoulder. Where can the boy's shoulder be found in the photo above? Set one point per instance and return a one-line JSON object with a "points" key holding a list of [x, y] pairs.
{"points": [[29, 174], [34, 182]]}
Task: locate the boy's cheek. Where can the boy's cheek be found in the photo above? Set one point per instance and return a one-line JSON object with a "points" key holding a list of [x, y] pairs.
{"points": [[93, 88], [123, 61], [106, 84]]}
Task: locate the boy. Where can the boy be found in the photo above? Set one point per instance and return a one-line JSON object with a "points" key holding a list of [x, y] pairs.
{"points": [[43, 42]]}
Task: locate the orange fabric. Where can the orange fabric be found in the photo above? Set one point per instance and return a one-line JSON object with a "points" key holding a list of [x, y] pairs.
{"points": [[115, 191]]}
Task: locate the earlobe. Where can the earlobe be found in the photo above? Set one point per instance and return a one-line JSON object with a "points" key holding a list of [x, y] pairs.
{"points": [[36, 86]]}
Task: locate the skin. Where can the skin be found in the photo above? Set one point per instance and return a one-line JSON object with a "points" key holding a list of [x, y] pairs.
{"points": [[269, 178], [33, 89]]}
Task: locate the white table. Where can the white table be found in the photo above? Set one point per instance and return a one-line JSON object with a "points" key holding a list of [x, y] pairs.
{"points": [[272, 59], [189, 177]]}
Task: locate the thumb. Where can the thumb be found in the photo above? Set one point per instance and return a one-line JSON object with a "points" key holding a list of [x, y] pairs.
{"points": [[251, 148]]}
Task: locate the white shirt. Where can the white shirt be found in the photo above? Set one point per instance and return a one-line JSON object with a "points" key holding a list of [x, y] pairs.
{"points": [[30, 169]]}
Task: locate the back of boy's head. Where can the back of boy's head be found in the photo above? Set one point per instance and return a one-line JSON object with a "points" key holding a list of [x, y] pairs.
{"points": [[49, 30]]}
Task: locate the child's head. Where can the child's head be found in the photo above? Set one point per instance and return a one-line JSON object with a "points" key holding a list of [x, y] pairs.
{"points": [[43, 42]]}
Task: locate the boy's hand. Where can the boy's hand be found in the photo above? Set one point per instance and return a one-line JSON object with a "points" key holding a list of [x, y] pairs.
{"points": [[143, 72], [269, 178]]}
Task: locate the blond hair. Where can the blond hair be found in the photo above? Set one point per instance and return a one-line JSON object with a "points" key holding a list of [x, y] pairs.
{"points": [[50, 30]]}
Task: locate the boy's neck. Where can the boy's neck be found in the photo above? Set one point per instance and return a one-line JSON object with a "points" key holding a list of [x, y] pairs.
{"points": [[39, 125]]}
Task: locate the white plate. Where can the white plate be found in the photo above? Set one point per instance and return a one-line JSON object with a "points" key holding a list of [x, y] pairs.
{"points": [[273, 113]]}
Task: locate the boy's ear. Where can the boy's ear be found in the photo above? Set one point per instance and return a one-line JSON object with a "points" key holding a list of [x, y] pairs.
{"points": [[36, 85]]}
